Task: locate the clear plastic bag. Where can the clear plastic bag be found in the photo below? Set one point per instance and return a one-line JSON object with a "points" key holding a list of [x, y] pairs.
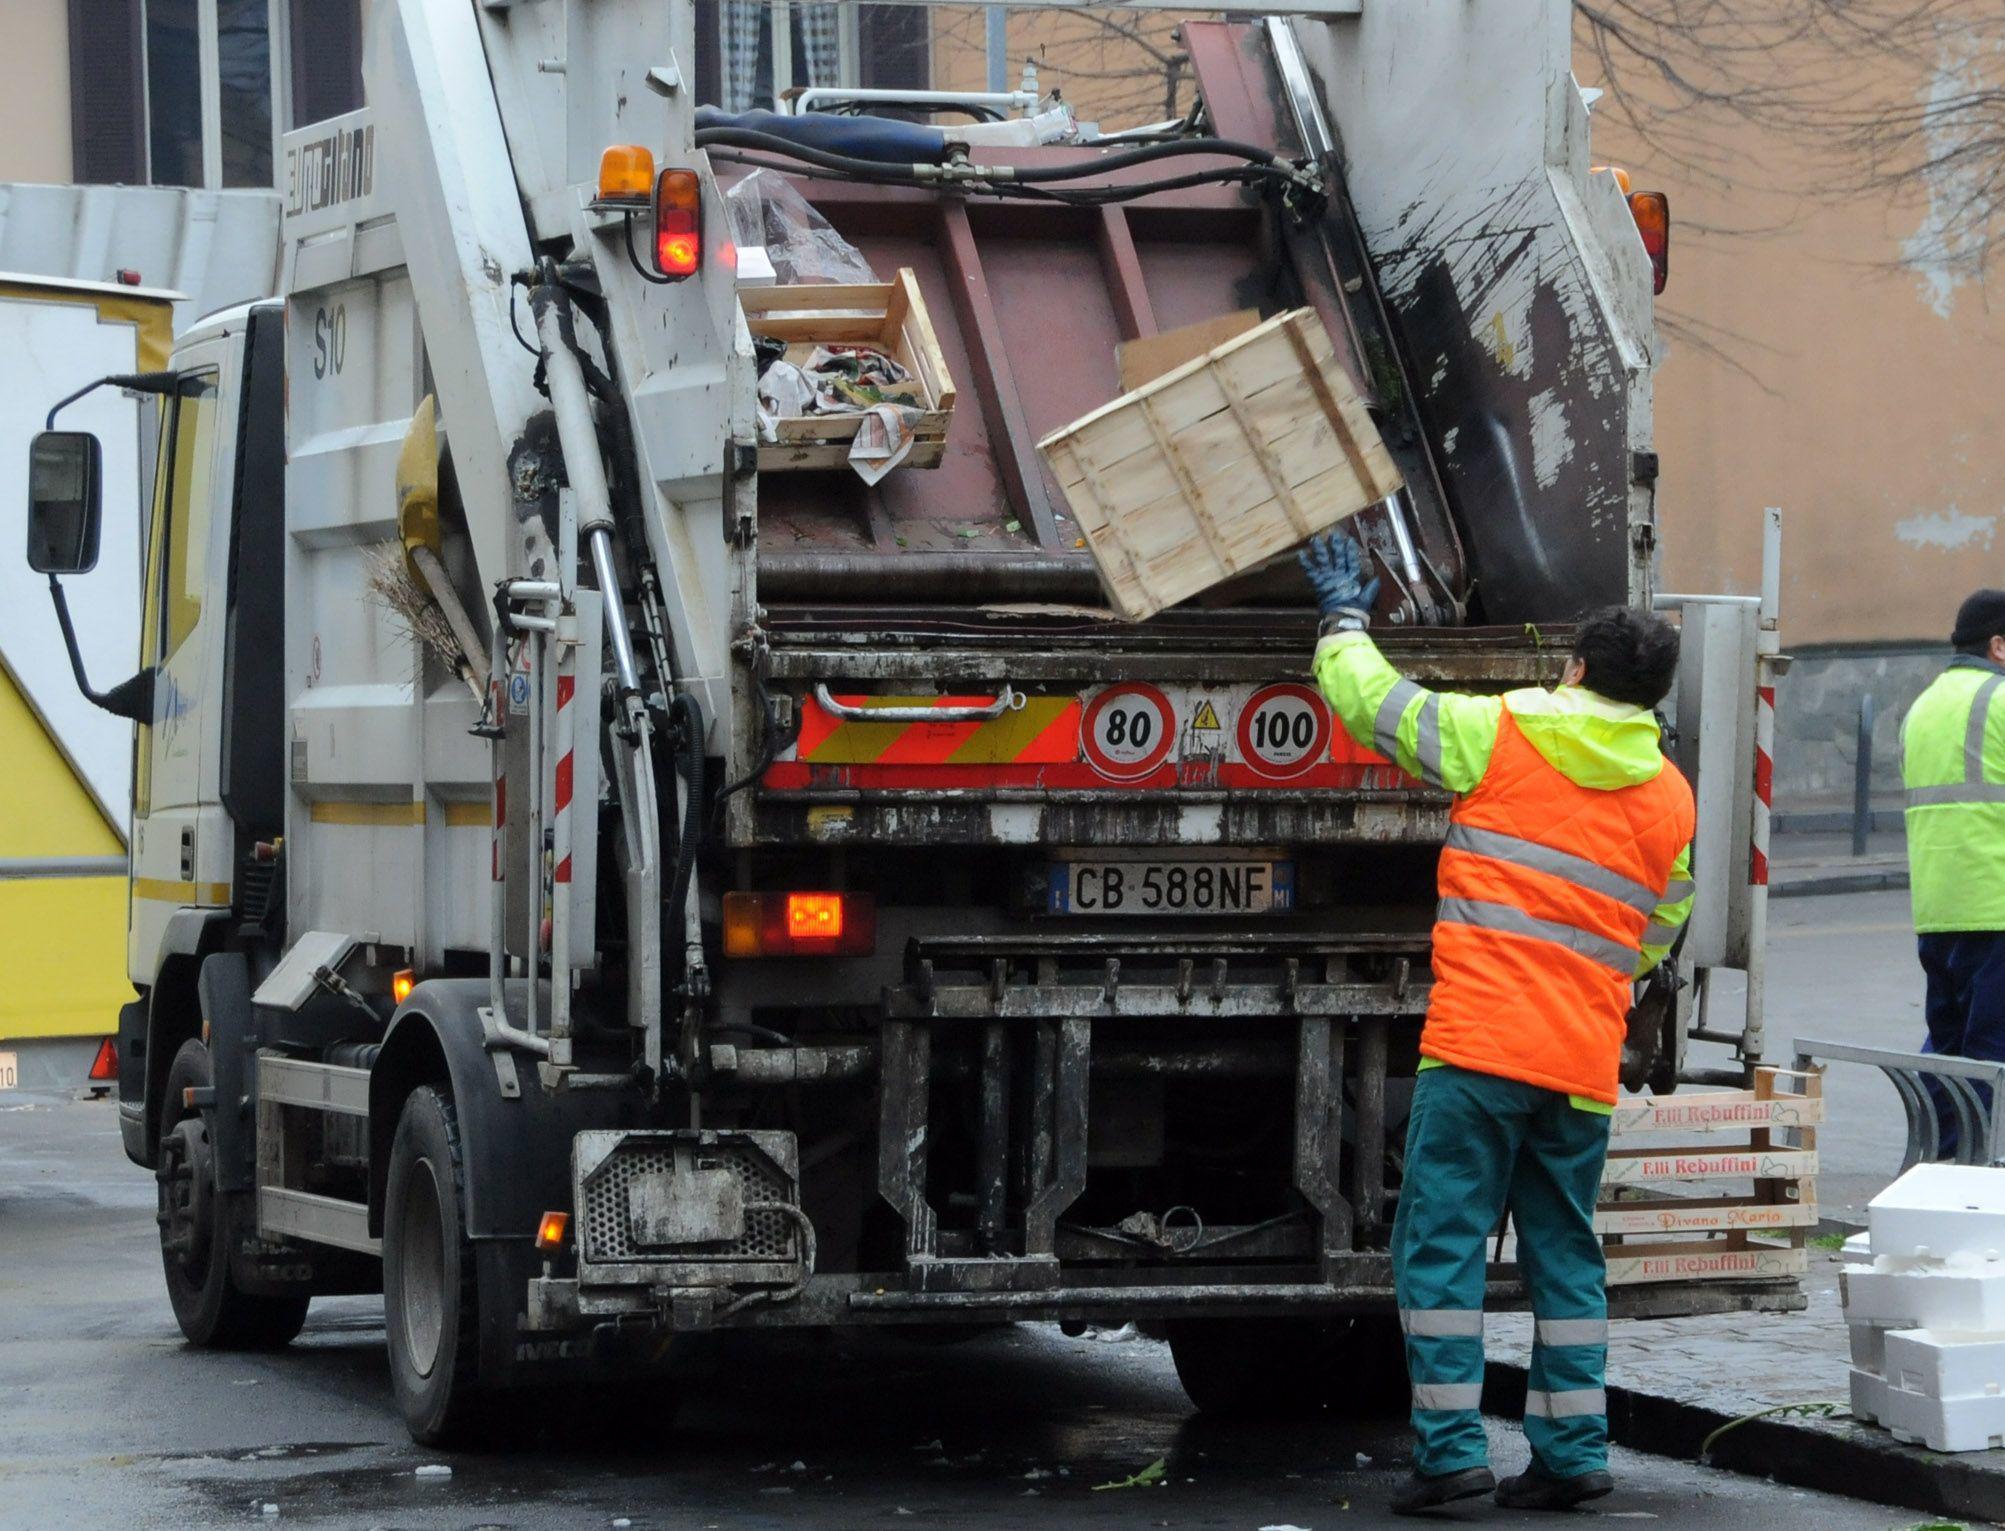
{"points": [[802, 245]]}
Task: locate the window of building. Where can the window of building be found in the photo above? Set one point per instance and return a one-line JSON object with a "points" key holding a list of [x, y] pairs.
{"points": [[108, 93], [326, 59], [244, 91], [750, 52], [173, 92]]}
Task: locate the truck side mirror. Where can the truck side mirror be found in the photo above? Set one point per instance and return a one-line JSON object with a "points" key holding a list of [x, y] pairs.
{"points": [[65, 489]]}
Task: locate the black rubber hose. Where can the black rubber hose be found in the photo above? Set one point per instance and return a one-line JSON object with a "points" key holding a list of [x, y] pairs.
{"points": [[690, 765], [1224, 148], [744, 138]]}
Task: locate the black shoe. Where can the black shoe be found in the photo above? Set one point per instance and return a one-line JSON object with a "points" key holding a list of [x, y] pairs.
{"points": [[1533, 1490], [1421, 1492]]}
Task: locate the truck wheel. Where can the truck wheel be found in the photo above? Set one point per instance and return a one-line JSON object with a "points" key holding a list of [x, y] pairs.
{"points": [[1281, 1368], [196, 1224], [431, 1302]]}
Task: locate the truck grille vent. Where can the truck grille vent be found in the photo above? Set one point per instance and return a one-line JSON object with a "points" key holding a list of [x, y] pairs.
{"points": [[256, 881], [608, 1224]]}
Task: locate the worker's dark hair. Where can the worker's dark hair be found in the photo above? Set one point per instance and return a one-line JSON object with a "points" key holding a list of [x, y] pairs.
{"points": [[1630, 656], [1978, 620]]}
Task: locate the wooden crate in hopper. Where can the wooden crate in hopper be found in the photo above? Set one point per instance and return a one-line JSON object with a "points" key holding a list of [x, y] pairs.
{"points": [[1219, 465]]}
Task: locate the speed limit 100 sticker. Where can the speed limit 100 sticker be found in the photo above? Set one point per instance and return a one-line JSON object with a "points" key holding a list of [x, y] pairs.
{"points": [[1127, 731], [1283, 731]]}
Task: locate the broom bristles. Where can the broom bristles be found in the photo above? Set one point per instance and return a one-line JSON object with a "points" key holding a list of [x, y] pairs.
{"points": [[424, 625]]}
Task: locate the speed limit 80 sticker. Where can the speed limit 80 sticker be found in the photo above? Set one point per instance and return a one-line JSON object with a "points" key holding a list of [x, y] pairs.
{"points": [[1127, 731]]}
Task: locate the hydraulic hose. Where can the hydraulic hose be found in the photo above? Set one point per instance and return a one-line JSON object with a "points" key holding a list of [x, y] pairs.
{"points": [[768, 143], [689, 711]]}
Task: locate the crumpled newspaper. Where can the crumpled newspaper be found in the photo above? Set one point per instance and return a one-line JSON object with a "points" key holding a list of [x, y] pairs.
{"points": [[846, 380]]}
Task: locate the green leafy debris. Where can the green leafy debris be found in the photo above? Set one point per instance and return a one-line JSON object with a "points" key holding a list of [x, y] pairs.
{"points": [[1149, 1477]]}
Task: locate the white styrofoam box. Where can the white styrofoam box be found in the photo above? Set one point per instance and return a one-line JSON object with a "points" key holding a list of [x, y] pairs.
{"points": [[1858, 1248], [755, 267], [1939, 1210], [1869, 1348], [1926, 1297], [1946, 1363], [1943, 1424], [1869, 1396]]}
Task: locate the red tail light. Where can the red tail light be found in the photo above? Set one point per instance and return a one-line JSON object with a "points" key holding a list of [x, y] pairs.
{"points": [[799, 924], [104, 1067], [678, 223], [1652, 212]]}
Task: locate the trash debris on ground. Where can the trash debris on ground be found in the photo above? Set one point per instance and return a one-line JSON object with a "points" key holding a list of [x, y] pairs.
{"points": [[433, 1470], [1149, 1477]]}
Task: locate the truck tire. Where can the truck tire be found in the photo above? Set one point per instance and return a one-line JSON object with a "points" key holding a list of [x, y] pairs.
{"points": [[197, 1222], [431, 1298], [1288, 1368]]}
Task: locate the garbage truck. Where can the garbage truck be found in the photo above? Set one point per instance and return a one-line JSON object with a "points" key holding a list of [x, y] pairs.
{"points": [[604, 871]]}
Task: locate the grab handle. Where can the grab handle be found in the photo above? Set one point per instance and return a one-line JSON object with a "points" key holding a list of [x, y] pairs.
{"points": [[1007, 700]]}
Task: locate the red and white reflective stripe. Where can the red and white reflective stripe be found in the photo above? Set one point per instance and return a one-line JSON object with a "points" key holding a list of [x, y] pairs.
{"points": [[496, 702], [1764, 782], [561, 816]]}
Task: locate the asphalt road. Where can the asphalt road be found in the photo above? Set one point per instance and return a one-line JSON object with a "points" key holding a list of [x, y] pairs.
{"points": [[107, 1419], [1843, 969]]}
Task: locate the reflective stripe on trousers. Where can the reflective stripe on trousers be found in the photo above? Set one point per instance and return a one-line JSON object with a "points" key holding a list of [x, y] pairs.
{"points": [[1571, 1331], [1450, 1396], [1571, 1404], [1441, 1323]]}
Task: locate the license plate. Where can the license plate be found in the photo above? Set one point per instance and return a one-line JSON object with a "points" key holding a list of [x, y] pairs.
{"points": [[1172, 887], [10, 1071]]}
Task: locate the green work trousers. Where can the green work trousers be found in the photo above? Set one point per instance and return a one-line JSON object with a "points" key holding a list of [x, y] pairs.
{"points": [[1474, 1144]]}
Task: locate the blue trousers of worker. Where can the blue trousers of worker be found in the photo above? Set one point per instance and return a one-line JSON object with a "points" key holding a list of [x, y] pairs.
{"points": [[1474, 1143], [1965, 1008]]}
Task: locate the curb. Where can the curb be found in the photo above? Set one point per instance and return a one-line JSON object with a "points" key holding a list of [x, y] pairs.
{"points": [[1863, 881], [1836, 1456]]}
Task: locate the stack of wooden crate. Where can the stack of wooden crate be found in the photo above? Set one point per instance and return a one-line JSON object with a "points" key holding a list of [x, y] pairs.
{"points": [[1734, 1197]]}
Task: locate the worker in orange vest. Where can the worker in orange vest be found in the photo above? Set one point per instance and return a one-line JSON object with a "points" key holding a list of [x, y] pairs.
{"points": [[1565, 876]]}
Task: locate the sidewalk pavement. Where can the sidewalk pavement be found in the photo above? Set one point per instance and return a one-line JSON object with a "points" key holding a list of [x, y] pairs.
{"points": [[1802, 865], [1673, 1382]]}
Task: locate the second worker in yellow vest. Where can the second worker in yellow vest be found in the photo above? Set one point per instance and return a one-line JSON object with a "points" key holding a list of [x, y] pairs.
{"points": [[1953, 766]]}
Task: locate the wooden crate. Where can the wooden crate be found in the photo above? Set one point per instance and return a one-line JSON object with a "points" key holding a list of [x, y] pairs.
{"points": [[1220, 464], [1766, 1136], [889, 315]]}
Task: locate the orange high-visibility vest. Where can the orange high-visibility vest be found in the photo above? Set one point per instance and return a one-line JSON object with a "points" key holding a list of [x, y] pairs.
{"points": [[1546, 887]]}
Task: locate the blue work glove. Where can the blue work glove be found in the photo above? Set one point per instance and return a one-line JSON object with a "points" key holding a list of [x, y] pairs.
{"points": [[1336, 568]]}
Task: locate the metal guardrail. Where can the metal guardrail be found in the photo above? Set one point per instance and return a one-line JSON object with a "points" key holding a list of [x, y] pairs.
{"points": [[1977, 1120]]}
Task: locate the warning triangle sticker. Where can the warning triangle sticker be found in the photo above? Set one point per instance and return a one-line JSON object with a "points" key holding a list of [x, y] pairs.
{"points": [[1206, 720]]}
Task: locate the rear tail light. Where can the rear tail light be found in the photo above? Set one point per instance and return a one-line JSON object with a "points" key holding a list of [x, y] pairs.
{"points": [[1652, 212], [104, 1067], [678, 223], [551, 1231], [799, 924]]}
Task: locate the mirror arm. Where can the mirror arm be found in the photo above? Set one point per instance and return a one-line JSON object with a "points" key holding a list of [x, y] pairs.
{"points": [[131, 700], [135, 382]]}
